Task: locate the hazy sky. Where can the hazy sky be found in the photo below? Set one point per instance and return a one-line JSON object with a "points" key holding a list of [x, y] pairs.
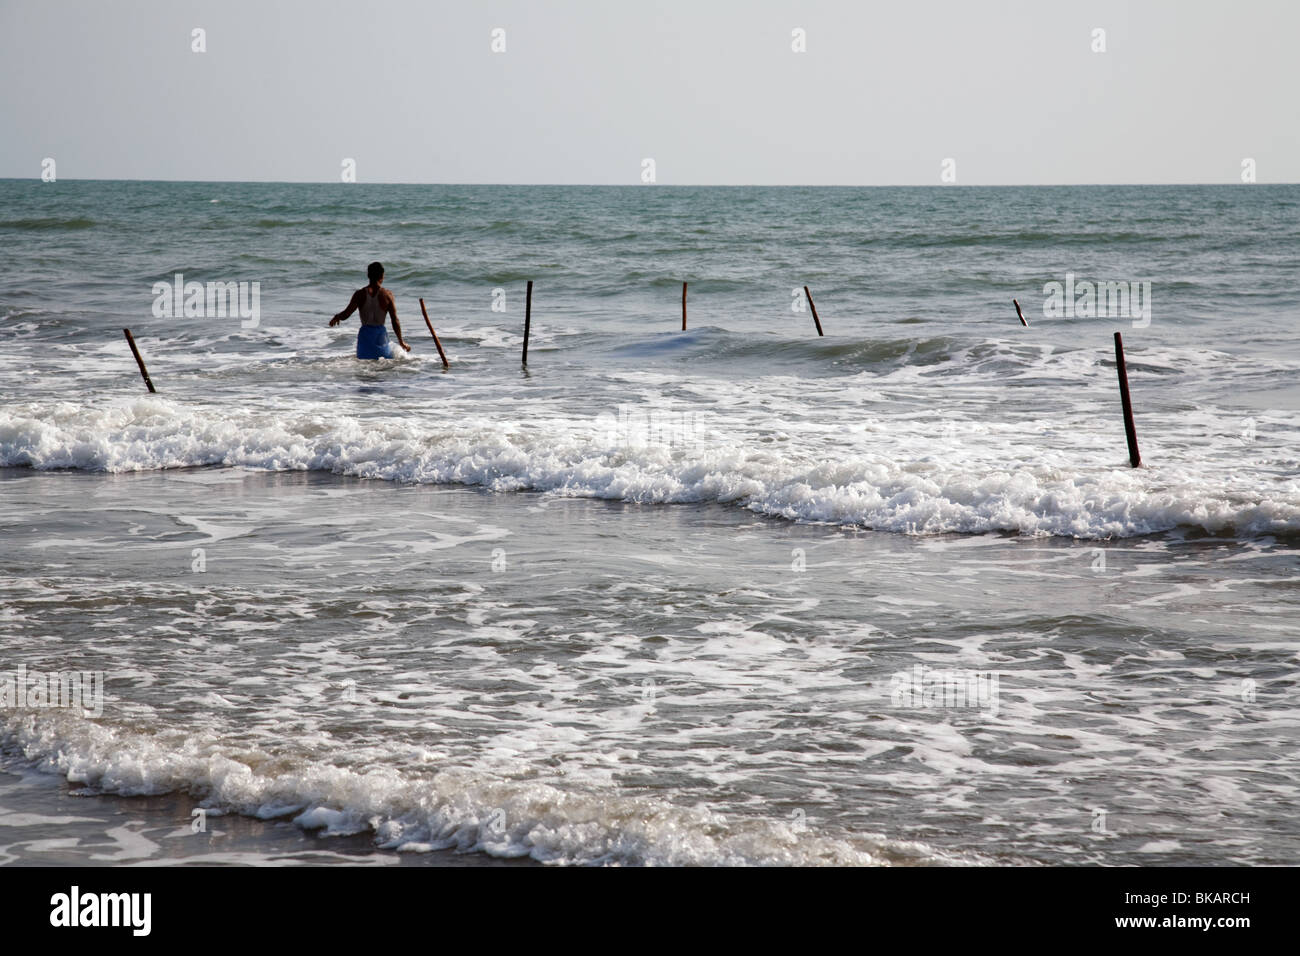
{"points": [[709, 89]]}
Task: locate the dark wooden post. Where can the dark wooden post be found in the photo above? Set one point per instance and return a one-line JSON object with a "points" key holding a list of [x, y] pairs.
{"points": [[441, 353], [528, 317], [144, 372], [1018, 312], [808, 295], [1134, 456]]}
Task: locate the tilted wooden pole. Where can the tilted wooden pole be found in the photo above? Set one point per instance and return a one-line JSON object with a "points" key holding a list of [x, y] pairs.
{"points": [[441, 353], [144, 372], [808, 295], [1019, 313]]}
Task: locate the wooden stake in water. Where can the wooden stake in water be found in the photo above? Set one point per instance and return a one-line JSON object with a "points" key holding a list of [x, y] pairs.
{"points": [[1134, 456], [528, 317], [683, 306], [441, 353], [144, 372], [808, 295], [1018, 312]]}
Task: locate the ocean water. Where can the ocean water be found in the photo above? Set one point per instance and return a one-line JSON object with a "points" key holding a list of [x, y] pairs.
{"points": [[735, 595]]}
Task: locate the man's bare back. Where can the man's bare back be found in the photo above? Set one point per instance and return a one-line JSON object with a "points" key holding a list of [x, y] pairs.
{"points": [[375, 304]]}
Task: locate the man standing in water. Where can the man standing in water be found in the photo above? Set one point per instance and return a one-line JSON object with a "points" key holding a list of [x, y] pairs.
{"points": [[376, 304]]}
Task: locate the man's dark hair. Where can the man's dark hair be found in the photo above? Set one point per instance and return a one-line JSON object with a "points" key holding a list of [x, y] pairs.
{"points": [[375, 271]]}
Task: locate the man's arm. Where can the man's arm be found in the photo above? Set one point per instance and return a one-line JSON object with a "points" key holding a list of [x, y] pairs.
{"points": [[353, 305], [397, 328]]}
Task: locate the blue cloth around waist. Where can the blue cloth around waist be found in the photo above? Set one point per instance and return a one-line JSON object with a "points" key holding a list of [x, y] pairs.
{"points": [[372, 343]]}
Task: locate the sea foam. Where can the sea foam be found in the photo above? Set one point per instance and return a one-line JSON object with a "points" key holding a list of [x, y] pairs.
{"points": [[860, 480], [435, 810]]}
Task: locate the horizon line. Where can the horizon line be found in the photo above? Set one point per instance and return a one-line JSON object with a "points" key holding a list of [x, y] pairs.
{"points": [[325, 182]]}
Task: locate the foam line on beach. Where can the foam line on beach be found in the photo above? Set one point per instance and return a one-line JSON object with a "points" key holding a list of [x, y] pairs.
{"points": [[423, 811], [988, 480]]}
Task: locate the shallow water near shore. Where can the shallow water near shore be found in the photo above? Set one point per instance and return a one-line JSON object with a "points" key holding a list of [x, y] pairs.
{"points": [[46, 822], [650, 684], [734, 595]]}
